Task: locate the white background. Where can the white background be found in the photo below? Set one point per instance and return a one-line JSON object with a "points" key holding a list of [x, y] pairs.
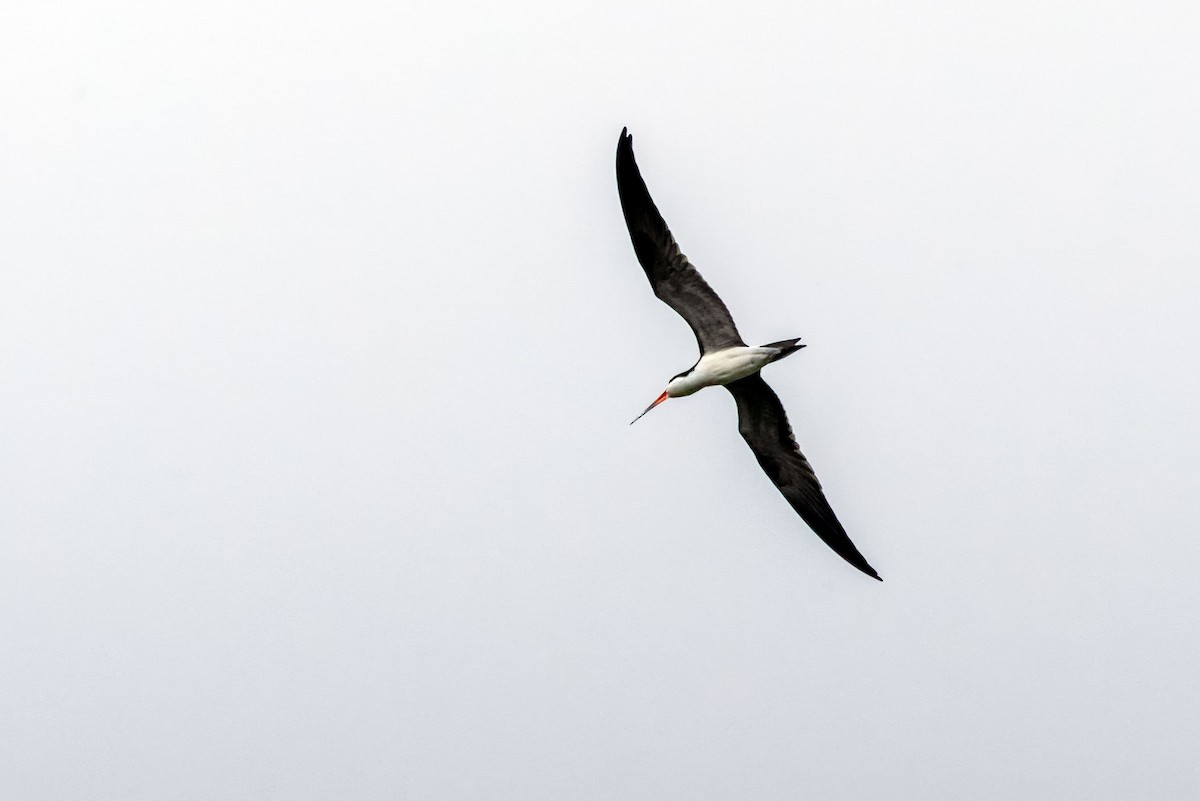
{"points": [[320, 331]]}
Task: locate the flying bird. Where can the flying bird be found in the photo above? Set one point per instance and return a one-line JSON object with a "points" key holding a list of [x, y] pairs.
{"points": [[725, 360]]}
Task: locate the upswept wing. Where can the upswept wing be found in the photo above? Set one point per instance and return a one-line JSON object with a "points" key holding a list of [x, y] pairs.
{"points": [[764, 425], [675, 281]]}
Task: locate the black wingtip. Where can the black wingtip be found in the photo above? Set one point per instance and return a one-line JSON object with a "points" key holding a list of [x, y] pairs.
{"points": [[845, 549], [868, 570], [625, 142]]}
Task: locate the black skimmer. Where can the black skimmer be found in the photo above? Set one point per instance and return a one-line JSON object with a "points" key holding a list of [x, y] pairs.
{"points": [[725, 360]]}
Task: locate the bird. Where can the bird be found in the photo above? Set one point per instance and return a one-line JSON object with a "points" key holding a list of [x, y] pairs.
{"points": [[725, 360]]}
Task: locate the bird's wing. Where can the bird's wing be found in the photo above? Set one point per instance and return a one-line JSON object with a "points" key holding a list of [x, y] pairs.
{"points": [[764, 425], [673, 279]]}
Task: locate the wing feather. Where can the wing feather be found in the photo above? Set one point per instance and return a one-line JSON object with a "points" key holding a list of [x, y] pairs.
{"points": [[674, 280], [764, 425]]}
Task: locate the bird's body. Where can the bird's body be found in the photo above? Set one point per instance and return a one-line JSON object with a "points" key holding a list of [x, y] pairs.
{"points": [[720, 367], [726, 360]]}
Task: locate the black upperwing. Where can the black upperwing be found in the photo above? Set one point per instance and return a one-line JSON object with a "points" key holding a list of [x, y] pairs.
{"points": [[764, 425], [674, 280]]}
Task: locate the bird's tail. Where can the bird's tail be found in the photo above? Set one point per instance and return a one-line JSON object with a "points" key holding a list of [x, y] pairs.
{"points": [[786, 348]]}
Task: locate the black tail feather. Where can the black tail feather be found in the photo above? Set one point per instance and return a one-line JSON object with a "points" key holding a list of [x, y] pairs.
{"points": [[786, 347]]}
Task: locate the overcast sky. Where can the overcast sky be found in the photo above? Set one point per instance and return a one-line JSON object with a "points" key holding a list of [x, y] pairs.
{"points": [[320, 333]]}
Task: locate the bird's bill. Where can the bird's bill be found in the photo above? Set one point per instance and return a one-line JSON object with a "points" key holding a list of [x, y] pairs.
{"points": [[657, 401]]}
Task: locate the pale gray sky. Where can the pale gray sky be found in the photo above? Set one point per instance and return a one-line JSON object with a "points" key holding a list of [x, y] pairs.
{"points": [[320, 332]]}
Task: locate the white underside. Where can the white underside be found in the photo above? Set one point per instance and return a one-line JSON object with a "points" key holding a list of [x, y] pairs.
{"points": [[721, 367]]}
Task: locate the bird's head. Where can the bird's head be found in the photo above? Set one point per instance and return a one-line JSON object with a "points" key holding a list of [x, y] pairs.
{"points": [[677, 387]]}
